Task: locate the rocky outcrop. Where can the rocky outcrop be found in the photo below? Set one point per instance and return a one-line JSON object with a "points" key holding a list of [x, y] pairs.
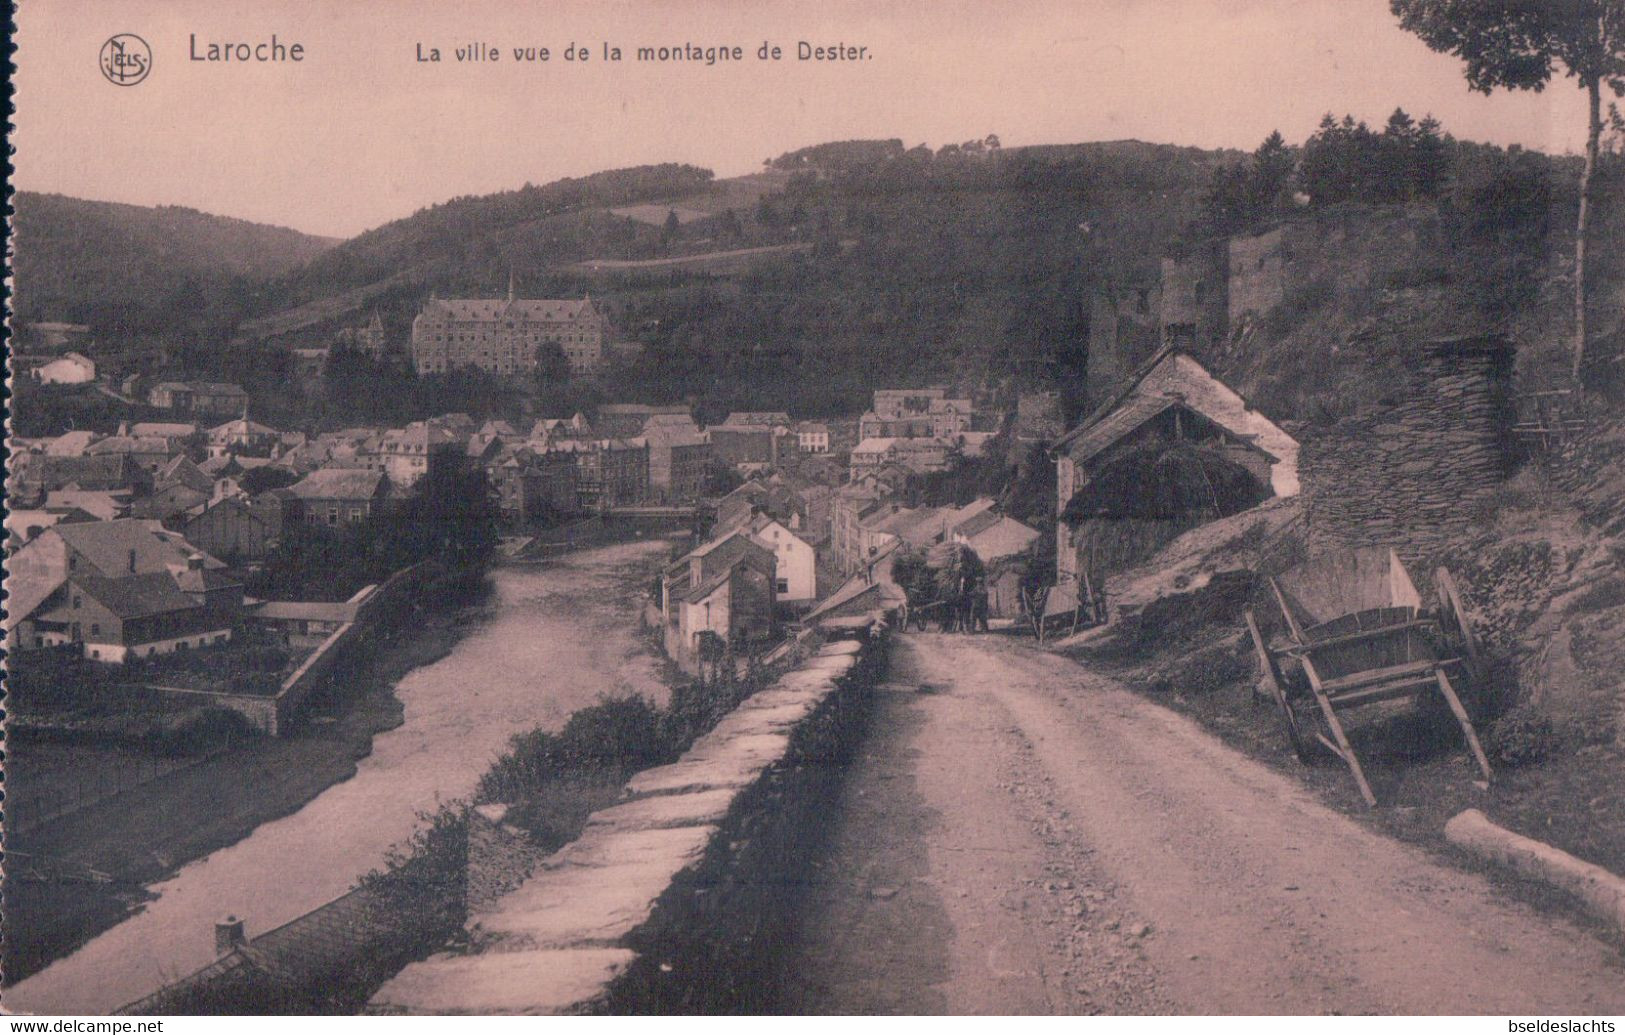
{"points": [[1409, 475]]}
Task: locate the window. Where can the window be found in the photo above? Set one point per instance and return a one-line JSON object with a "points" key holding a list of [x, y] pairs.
{"points": [[77, 602], [784, 585], [95, 629]]}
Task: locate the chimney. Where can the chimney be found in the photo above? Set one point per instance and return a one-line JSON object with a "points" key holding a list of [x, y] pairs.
{"points": [[132, 562], [228, 935]]}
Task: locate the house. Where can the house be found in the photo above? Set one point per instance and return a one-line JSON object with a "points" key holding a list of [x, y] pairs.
{"points": [[70, 369], [850, 506], [23, 526], [302, 623], [774, 499], [758, 418], [795, 581], [53, 334], [150, 454], [812, 437], [168, 502], [627, 420], [116, 588], [200, 397], [408, 454], [102, 505], [176, 430], [678, 459], [920, 455], [35, 474], [232, 529], [70, 443], [900, 402], [533, 486], [340, 496], [242, 436], [994, 536], [722, 594], [182, 471], [609, 472], [750, 446], [858, 595], [134, 616], [1174, 449]]}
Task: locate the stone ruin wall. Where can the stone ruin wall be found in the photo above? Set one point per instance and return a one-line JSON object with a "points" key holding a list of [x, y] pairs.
{"points": [[1415, 474]]}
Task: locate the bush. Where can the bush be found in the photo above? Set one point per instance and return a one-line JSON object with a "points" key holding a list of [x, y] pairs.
{"points": [[613, 738], [1216, 668], [620, 733], [1523, 736]]}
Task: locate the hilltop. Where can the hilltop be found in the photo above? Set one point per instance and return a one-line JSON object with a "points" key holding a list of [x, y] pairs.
{"points": [[88, 261]]}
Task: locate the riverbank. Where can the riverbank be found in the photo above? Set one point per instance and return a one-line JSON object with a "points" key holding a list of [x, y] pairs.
{"points": [[552, 640], [134, 839]]}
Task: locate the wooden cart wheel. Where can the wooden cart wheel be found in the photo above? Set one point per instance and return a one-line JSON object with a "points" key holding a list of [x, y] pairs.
{"points": [[1456, 615], [1272, 682]]}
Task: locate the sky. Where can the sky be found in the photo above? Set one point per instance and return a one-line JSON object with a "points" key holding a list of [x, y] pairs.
{"points": [[361, 132]]}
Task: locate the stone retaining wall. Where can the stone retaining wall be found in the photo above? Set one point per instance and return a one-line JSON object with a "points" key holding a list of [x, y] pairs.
{"points": [[1409, 475], [676, 899]]}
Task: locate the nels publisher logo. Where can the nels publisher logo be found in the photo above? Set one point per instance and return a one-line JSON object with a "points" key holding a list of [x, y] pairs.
{"points": [[126, 59]]}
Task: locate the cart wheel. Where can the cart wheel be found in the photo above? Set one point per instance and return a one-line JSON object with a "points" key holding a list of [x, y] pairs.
{"points": [[1272, 681], [1455, 623]]}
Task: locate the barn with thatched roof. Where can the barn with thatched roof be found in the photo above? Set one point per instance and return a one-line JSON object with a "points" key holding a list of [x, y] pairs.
{"points": [[1175, 449]]}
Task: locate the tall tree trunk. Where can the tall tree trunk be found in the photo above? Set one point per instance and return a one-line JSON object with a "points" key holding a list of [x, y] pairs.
{"points": [[1593, 133]]}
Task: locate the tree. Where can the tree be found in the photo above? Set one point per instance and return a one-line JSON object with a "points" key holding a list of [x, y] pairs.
{"points": [[1518, 45]]}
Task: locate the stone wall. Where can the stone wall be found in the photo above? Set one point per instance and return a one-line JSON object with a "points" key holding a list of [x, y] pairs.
{"points": [[1257, 273], [1413, 474], [673, 900], [1195, 291]]}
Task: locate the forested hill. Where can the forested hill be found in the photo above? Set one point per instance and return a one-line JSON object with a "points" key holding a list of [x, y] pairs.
{"points": [[868, 262], [85, 261]]}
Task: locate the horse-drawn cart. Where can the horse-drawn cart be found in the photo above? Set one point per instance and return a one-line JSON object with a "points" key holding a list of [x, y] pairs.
{"points": [[1354, 633]]}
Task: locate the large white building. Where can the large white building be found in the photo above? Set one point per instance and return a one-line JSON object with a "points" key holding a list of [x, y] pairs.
{"points": [[503, 335]]}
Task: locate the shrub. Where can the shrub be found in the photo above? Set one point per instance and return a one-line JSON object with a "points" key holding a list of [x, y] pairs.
{"points": [[1216, 668], [619, 733], [1523, 736]]}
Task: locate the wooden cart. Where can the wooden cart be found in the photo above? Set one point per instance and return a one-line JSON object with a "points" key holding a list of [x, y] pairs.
{"points": [[1355, 633]]}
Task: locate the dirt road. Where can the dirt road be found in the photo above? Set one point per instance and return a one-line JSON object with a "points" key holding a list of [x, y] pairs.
{"points": [[1025, 837]]}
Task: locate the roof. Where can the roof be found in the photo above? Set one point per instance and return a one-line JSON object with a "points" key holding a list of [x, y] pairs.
{"points": [[102, 505], [242, 426], [543, 310], [976, 523], [72, 443], [183, 471], [874, 445], [886, 594], [1170, 378], [168, 501], [108, 545], [135, 596], [339, 483], [163, 429], [202, 580], [128, 444], [304, 610], [707, 588], [1003, 537]]}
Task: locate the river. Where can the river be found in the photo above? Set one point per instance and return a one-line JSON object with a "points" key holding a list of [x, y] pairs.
{"points": [[554, 639]]}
